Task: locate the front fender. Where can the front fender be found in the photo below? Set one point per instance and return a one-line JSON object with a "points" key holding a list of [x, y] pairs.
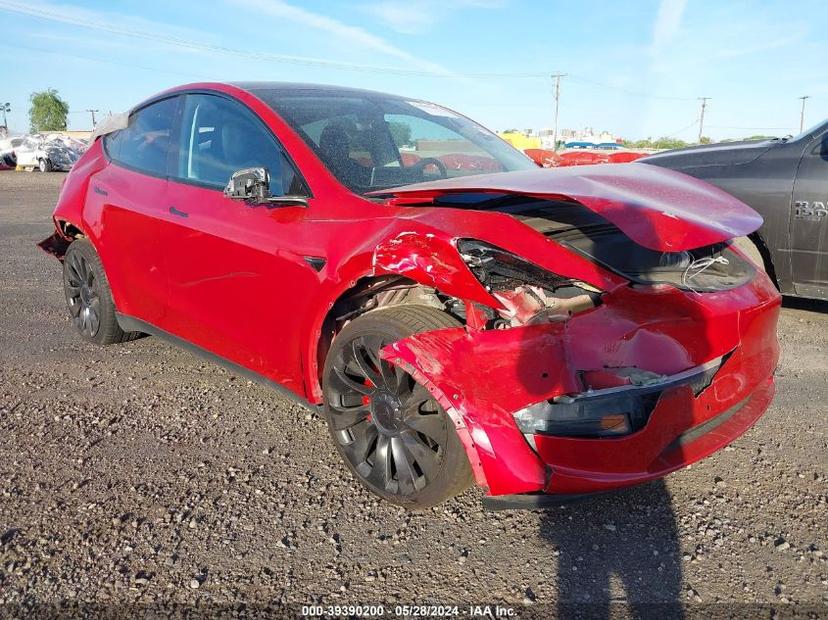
{"points": [[480, 378], [432, 261]]}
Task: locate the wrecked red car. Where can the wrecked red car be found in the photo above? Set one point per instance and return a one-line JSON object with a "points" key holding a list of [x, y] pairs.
{"points": [[458, 313]]}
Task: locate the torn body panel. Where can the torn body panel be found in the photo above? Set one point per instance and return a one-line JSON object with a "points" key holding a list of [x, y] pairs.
{"points": [[657, 208], [647, 336]]}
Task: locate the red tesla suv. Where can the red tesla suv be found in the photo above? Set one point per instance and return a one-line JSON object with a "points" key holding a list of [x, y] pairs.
{"points": [[457, 312]]}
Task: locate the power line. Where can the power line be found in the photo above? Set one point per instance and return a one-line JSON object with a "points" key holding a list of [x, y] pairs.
{"points": [[683, 129], [576, 78], [22, 8], [745, 127]]}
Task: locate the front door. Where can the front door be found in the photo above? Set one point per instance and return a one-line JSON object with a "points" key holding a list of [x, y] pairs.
{"points": [[809, 222], [128, 198], [237, 286]]}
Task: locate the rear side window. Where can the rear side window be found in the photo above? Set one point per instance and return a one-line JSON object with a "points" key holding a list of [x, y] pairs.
{"points": [[220, 136], [145, 143]]}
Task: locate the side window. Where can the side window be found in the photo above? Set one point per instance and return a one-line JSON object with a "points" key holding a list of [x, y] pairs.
{"points": [[220, 136], [145, 143], [821, 147]]}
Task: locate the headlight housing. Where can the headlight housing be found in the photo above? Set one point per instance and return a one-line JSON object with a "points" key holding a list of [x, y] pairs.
{"points": [[501, 270], [530, 294]]}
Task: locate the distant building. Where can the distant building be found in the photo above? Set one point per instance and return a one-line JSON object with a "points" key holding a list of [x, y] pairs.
{"points": [[590, 137], [521, 140], [586, 138]]}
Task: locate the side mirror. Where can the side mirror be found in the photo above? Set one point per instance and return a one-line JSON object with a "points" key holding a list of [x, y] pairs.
{"points": [[252, 185]]}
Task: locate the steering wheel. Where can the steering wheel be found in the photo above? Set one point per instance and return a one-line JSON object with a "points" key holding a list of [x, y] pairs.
{"points": [[428, 161]]}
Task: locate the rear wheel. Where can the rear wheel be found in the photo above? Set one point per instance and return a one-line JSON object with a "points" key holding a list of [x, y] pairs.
{"points": [[89, 297], [392, 434], [44, 165]]}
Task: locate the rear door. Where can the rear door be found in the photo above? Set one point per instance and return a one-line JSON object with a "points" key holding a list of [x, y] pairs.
{"points": [[238, 285], [129, 197], [809, 221]]}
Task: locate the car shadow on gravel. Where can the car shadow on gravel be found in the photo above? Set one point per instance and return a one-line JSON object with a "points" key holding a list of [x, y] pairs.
{"points": [[617, 550]]}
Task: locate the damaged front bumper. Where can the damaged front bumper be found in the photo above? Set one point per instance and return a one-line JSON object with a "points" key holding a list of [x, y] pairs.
{"points": [[612, 411], [650, 381]]}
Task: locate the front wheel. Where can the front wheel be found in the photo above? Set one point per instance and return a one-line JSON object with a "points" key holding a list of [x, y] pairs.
{"points": [[392, 434], [44, 165]]}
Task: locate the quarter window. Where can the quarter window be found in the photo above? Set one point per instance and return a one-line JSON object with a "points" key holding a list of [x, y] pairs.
{"points": [[144, 144], [220, 136]]}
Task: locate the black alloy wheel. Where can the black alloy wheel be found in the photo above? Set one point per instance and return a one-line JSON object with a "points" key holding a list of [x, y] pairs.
{"points": [[82, 295], [389, 426], [88, 296], [389, 429]]}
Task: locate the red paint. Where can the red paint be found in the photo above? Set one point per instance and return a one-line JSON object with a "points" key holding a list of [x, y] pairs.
{"points": [[551, 159], [484, 377], [658, 208], [233, 279]]}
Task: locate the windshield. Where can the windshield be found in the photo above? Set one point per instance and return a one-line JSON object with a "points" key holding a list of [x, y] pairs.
{"points": [[811, 131], [372, 142]]}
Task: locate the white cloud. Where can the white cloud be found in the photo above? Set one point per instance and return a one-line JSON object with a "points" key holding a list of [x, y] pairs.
{"points": [[109, 21], [161, 36], [667, 24], [415, 16], [346, 32]]}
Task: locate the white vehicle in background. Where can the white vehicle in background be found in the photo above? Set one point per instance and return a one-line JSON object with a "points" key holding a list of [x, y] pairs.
{"points": [[48, 152], [8, 158]]}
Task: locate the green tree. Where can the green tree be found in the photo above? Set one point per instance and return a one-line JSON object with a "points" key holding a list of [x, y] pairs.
{"points": [[669, 143], [48, 111], [400, 133]]}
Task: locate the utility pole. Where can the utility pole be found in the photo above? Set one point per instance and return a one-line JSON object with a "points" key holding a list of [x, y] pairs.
{"points": [[557, 77], [6, 107], [92, 112], [704, 101], [802, 114]]}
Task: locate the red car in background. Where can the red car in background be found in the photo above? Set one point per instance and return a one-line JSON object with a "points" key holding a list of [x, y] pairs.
{"points": [[459, 313], [551, 159]]}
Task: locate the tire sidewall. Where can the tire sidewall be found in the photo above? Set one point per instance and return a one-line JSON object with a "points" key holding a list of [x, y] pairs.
{"points": [[108, 328], [454, 456]]}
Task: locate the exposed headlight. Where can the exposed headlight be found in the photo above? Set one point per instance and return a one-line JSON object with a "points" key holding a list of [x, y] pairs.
{"points": [[529, 293], [502, 270]]}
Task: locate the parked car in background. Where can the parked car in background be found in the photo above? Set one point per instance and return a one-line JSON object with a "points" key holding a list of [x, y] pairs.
{"points": [[553, 159], [48, 152], [786, 181], [458, 313], [8, 158]]}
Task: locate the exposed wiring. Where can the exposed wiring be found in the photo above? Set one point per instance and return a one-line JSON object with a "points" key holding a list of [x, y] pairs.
{"points": [[698, 266]]}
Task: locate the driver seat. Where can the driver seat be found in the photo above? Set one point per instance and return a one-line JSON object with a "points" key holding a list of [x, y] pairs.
{"points": [[335, 150]]}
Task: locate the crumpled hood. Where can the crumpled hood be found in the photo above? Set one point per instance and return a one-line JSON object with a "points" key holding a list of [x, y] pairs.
{"points": [[723, 154], [657, 208]]}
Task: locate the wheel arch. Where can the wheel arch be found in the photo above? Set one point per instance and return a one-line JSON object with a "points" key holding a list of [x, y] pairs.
{"points": [[762, 247], [359, 296]]}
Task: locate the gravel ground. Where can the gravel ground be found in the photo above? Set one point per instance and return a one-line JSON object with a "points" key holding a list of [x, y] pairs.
{"points": [[141, 475]]}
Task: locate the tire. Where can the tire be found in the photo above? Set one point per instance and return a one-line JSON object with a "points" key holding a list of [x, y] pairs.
{"points": [[392, 434], [750, 250], [88, 296], [44, 165]]}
